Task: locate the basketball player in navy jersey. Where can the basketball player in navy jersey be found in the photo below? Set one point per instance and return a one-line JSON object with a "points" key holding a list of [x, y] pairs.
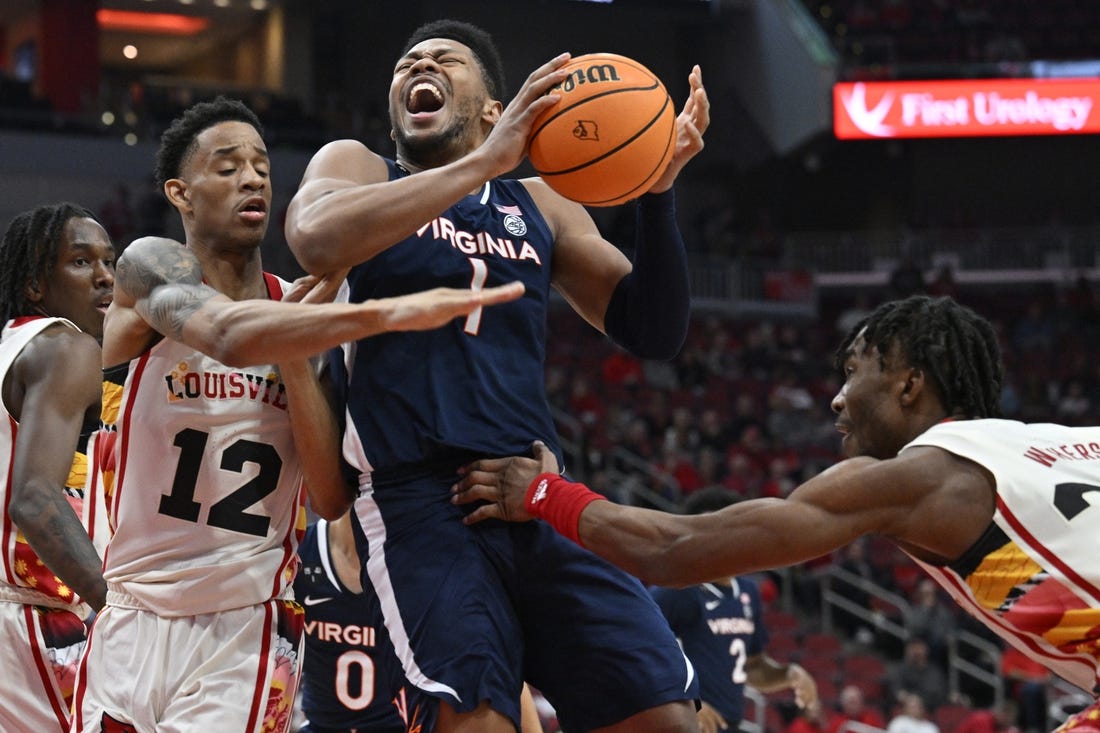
{"points": [[352, 680], [56, 280], [721, 627], [486, 609], [1002, 514]]}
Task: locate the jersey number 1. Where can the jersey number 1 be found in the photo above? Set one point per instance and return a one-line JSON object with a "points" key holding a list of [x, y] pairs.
{"points": [[228, 513]]}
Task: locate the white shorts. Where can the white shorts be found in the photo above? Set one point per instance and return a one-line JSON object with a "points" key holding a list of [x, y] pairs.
{"points": [[229, 672], [39, 650]]}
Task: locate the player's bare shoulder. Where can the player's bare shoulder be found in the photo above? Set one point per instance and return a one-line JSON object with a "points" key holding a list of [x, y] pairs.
{"points": [[558, 211], [346, 160], [150, 262]]}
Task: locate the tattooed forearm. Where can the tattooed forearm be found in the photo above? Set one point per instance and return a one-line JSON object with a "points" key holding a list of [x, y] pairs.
{"points": [[170, 307]]}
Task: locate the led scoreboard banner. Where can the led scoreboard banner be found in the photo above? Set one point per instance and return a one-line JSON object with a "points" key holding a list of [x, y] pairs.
{"points": [[966, 108]]}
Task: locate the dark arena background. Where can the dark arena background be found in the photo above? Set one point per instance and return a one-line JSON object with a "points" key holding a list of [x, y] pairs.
{"points": [[859, 150]]}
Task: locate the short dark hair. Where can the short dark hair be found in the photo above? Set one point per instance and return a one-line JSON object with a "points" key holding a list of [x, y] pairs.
{"points": [[709, 499], [178, 141], [28, 253], [952, 344], [476, 39]]}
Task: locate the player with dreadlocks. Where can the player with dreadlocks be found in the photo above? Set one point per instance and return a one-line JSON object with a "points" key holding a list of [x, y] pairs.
{"points": [[56, 281], [1003, 514]]}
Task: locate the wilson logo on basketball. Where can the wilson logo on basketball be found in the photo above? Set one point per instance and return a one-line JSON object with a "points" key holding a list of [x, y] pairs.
{"points": [[592, 75], [586, 130]]}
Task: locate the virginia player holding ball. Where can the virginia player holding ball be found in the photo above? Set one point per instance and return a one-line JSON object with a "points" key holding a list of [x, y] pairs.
{"points": [[474, 611]]}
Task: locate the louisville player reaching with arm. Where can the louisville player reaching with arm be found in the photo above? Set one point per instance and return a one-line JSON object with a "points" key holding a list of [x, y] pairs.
{"points": [[968, 496], [212, 440], [58, 270]]}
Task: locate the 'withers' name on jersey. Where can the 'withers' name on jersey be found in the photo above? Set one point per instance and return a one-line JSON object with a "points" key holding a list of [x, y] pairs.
{"points": [[481, 243], [184, 384], [1047, 455]]}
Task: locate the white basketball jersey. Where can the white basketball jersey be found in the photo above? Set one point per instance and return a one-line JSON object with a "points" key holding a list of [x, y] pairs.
{"points": [[23, 574], [1036, 581], [203, 483]]}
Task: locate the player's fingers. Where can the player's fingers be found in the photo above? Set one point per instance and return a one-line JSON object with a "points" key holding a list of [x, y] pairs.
{"points": [[546, 76], [468, 493], [485, 511], [490, 465], [501, 293]]}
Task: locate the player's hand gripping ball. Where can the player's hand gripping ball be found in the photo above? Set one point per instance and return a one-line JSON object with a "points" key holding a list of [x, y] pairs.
{"points": [[611, 134]]}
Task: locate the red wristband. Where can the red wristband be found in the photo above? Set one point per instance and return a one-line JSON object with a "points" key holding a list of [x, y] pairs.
{"points": [[559, 502]]}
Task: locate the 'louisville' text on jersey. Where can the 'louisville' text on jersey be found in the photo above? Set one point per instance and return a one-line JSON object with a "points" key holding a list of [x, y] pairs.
{"points": [[1047, 455], [225, 385], [478, 243]]}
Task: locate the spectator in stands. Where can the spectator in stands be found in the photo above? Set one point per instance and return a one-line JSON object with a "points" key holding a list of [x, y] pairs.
{"points": [[853, 314], [906, 279], [815, 718], [998, 719], [944, 282], [916, 676], [1027, 684], [1034, 331], [854, 561], [930, 619], [117, 215], [854, 708], [912, 717]]}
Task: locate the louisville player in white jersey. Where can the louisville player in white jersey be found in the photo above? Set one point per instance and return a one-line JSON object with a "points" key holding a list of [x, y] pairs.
{"points": [[217, 416], [56, 278], [1003, 514]]}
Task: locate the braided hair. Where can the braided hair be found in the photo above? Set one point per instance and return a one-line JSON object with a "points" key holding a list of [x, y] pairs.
{"points": [[954, 346], [178, 141], [29, 251]]}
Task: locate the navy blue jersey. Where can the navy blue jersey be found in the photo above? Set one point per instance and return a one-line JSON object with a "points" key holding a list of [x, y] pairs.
{"points": [[351, 675], [474, 387], [719, 626]]}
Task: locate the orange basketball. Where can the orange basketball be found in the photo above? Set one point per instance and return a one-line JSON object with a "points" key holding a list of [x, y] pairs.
{"points": [[609, 136]]}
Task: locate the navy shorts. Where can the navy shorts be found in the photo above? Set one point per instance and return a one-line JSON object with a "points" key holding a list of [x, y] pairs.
{"points": [[475, 611]]}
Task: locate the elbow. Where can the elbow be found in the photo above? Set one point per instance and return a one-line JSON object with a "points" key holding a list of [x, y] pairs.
{"points": [[311, 245]]}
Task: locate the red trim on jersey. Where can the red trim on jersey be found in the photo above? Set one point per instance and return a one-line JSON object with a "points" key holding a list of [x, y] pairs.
{"points": [[1049, 556], [6, 537], [24, 320], [274, 287], [291, 540], [81, 683], [134, 377], [93, 485], [45, 670], [262, 690]]}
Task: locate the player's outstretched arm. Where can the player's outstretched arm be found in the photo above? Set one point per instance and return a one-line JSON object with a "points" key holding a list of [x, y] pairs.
{"points": [[160, 281], [850, 499], [62, 385]]}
